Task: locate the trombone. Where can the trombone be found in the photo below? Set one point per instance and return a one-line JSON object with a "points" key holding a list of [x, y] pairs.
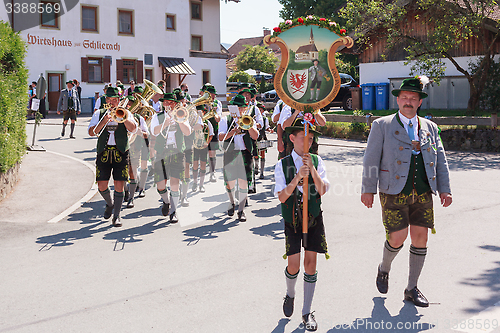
{"points": [[245, 122], [118, 114]]}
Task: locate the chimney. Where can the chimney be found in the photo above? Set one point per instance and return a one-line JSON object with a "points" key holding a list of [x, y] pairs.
{"points": [[267, 31]]}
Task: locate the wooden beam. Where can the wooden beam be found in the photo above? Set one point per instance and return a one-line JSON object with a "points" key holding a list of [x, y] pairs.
{"points": [[182, 78]]}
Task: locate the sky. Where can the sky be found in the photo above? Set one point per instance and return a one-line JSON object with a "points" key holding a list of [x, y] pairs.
{"points": [[247, 18]]}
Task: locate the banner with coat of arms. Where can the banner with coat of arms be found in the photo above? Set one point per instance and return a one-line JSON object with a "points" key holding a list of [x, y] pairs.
{"points": [[307, 78]]}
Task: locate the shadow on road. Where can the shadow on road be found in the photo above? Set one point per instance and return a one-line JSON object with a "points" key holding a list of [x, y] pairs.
{"points": [[274, 230], [280, 328], [406, 320], [488, 279], [208, 231], [130, 235], [462, 160]]}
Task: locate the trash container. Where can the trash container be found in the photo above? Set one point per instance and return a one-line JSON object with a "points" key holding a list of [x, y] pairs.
{"points": [[356, 97], [368, 96], [93, 103], [382, 96]]}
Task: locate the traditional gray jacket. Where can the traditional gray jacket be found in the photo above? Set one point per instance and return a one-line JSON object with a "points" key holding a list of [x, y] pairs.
{"points": [[62, 104], [388, 154]]}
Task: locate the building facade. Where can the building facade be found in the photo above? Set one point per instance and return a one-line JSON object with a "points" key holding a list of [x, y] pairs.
{"points": [[103, 41]]}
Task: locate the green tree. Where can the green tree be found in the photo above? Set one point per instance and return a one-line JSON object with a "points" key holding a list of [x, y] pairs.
{"points": [[322, 8], [241, 76], [256, 58], [445, 24], [13, 99]]}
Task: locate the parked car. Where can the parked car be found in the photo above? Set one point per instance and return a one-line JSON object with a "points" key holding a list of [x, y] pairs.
{"points": [[343, 98]]}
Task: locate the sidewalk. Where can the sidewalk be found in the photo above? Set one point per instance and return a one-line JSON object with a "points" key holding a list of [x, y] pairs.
{"points": [[47, 187]]}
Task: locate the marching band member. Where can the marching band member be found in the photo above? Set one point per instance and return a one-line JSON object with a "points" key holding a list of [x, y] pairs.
{"points": [[214, 144], [289, 173], [112, 153], [282, 139], [188, 153], [237, 148], [249, 94], [201, 155], [263, 137], [169, 154], [138, 151]]}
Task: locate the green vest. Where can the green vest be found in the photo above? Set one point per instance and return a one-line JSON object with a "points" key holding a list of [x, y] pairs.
{"points": [[160, 144], [417, 177], [121, 137], [289, 209], [246, 138]]}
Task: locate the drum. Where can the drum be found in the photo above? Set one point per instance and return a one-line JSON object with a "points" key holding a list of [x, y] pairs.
{"points": [[261, 145]]}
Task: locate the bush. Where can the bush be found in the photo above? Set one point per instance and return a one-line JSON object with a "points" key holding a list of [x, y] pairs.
{"points": [[489, 100], [13, 97], [241, 77]]}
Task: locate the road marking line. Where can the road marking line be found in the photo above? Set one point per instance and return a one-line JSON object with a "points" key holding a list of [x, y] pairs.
{"points": [[479, 320], [86, 197]]}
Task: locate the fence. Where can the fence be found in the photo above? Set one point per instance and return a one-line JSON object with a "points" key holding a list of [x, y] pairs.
{"points": [[478, 121]]}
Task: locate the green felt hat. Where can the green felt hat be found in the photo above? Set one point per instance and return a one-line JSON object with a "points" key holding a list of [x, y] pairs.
{"points": [[298, 124], [413, 85], [138, 89], [239, 100], [179, 95], [70, 82], [131, 98], [244, 85], [121, 86], [112, 92], [169, 97], [248, 90]]}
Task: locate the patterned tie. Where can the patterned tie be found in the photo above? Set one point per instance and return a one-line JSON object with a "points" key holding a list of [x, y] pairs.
{"points": [[412, 135]]}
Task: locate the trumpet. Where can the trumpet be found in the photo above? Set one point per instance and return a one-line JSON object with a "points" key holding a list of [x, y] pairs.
{"points": [[118, 114]]}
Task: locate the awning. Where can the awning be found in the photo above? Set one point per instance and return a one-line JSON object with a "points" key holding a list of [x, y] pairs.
{"points": [[176, 66]]}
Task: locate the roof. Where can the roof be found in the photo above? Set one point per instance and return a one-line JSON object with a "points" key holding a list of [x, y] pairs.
{"points": [[239, 46], [307, 48], [176, 66]]}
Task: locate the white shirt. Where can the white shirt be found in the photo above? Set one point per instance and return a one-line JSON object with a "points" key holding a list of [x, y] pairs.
{"points": [[97, 105], [94, 121], [218, 110], [142, 126], [239, 144], [286, 113], [156, 106], [279, 175], [277, 109], [414, 122]]}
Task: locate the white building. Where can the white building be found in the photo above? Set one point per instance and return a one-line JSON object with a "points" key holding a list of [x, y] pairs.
{"points": [[102, 41]]}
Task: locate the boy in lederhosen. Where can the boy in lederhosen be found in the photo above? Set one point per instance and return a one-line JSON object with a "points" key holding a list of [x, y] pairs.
{"points": [[200, 156], [288, 188], [237, 156], [169, 161], [112, 153]]}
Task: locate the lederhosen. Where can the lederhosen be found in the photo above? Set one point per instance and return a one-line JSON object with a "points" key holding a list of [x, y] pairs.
{"points": [[214, 143], [237, 163], [169, 161], [70, 113], [289, 145], [291, 211], [413, 206], [201, 154], [115, 157]]}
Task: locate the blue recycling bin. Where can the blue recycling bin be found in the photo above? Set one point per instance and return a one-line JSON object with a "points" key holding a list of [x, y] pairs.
{"points": [[382, 96], [368, 96], [93, 103]]}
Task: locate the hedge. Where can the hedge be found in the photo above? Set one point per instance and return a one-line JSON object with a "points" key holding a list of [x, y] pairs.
{"points": [[13, 97]]}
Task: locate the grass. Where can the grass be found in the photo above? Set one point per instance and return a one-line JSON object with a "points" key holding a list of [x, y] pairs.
{"points": [[435, 112]]}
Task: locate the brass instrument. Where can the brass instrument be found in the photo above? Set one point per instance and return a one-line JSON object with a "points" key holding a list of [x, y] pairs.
{"points": [[245, 122], [182, 113], [118, 114], [201, 135], [149, 90]]}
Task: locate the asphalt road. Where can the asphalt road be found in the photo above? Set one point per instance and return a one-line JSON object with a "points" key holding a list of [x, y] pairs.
{"points": [[210, 273]]}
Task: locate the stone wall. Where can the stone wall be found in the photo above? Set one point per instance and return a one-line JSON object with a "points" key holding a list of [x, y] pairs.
{"points": [[8, 180], [485, 140]]}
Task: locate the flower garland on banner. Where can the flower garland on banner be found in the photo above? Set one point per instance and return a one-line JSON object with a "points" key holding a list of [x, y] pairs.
{"points": [[310, 20]]}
